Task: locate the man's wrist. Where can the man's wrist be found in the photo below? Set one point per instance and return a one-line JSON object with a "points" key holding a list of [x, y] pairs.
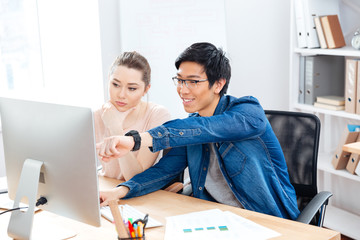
{"points": [[137, 139]]}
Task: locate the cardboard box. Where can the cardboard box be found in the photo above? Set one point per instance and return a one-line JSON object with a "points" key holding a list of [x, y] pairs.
{"points": [[341, 157]]}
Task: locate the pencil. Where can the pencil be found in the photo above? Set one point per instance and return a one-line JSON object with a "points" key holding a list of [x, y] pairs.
{"points": [[119, 224]]}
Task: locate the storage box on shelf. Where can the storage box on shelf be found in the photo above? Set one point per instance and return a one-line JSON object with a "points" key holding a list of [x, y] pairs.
{"points": [[343, 213]]}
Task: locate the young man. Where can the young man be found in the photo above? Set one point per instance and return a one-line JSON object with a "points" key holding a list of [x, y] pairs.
{"points": [[232, 153]]}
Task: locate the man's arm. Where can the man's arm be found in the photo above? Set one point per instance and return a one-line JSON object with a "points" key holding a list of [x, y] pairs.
{"points": [[244, 120], [152, 179], [117, 146]]}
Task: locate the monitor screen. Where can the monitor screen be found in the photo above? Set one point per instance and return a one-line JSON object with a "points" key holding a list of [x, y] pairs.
{"points": [[60, 138]]}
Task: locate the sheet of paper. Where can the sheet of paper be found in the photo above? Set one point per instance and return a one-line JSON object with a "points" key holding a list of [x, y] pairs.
{"points": [[214, 224]]}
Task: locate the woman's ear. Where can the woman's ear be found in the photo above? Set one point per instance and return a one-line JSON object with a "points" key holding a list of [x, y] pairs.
{"points": [[219, 85], [147, 89]]}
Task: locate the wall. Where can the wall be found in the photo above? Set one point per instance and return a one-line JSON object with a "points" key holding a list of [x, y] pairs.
{"points": [[258, 40]]}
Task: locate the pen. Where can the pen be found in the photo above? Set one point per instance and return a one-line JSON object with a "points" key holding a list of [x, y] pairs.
{"points": [[135, 229], [140, 229], [119, 224], [131, 230]]}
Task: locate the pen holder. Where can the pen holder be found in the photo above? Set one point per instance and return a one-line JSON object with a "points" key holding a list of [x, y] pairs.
{"points": [[134, 238], [139, 231]]}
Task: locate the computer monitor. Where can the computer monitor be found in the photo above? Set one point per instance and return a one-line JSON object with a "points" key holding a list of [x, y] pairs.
{"points": [[49, 152]]}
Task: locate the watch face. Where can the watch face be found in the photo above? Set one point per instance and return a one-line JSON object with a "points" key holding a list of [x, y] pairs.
{"points": [[355, 42]]}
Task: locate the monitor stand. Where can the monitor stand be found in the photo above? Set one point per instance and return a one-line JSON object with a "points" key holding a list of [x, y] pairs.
{"points": [[20, 224]]}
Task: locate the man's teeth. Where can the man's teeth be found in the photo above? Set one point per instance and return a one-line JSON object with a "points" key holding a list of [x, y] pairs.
{"points": [[187, 100]]}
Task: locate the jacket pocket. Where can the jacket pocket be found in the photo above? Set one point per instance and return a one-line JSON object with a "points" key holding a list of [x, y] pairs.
{"points": [[234, 159]]}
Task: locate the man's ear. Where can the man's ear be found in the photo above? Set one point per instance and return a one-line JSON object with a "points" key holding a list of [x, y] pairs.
{"points": [[219, 85]]}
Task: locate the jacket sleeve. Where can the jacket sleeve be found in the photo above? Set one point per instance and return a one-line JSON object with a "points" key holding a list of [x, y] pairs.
{"points": [[156, 177], [241, 120]]}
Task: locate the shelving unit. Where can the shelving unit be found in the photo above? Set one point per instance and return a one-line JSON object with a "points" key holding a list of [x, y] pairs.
{"points": [[343, 212]]}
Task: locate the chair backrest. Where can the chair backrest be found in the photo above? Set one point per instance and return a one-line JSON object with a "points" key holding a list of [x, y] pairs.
{"points": [[298, 134]]}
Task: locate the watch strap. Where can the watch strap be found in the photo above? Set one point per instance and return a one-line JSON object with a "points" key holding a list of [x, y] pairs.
{"points": [[137, 139]]}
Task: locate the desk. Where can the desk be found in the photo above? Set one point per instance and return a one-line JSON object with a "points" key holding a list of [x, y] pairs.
{"points": [[162, 204]]}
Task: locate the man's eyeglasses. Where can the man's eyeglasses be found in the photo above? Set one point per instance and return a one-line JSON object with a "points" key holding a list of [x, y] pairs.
{"points": [[188, 82]]}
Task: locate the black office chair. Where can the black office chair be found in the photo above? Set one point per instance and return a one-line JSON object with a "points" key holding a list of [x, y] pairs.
{"points": [[299, 134]]}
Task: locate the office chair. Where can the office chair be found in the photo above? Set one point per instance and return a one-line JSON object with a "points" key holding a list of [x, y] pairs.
{"points": [[299, 134]]}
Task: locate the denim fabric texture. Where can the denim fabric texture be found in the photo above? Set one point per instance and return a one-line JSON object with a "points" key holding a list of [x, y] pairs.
{"points": [[249, 154]]}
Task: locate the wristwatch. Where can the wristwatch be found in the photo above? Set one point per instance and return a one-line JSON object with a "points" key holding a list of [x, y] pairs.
{"points": [[137, 139]]}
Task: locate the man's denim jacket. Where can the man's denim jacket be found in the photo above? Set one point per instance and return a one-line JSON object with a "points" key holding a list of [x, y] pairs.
{"points": [[249, 154]]}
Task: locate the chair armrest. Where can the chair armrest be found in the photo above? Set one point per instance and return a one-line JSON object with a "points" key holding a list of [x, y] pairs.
{"points": [[175, 187], [314, 206]]}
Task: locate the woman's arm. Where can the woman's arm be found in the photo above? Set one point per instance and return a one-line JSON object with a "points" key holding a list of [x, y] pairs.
{"points": [[131, 165]]}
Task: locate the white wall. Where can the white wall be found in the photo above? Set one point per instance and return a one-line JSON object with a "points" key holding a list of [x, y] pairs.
{"points": [[258, 43], [109, 35], [258, 37]]}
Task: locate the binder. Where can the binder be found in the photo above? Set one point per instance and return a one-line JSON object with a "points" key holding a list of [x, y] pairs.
{"points": [[313, 8], [350, 135], [332, 30], [300, 24], [311, 35], [353, 162], [357, 104], [357, 170], [302, 80], [324, 75], [320, 33], [350, 85]]}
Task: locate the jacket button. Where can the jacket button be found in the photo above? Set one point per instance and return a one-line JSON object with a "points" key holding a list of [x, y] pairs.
{"points": [[181, 133], [200, 188], [204, 168], [159, 134]]}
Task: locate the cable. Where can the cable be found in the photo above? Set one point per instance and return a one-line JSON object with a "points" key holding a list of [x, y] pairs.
{"points": [[40, 201], [13, 209]]}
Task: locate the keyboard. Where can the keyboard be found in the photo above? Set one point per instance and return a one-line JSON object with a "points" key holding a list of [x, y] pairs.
{"points": [[127, 212]]}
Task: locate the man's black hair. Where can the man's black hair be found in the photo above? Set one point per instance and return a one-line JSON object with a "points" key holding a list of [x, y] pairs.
{"points": [[216, 64]]}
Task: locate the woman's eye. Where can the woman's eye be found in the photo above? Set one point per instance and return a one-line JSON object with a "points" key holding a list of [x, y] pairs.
{"points": [[115, 84], [132, 89]]}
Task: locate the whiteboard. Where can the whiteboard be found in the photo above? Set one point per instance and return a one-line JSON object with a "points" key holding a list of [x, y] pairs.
{"points": [[161, 29]]}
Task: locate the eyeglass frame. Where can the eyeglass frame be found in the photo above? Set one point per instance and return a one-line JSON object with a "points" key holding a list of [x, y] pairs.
{"points": [[176, 81]]}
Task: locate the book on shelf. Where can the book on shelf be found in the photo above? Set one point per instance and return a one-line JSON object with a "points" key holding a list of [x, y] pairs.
{"points": [[329, 106], [332, 30], [311, 9], [331, 100], [320, 32]]}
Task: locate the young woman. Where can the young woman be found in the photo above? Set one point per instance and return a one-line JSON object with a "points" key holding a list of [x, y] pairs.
{"points": [[129, 81]]}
